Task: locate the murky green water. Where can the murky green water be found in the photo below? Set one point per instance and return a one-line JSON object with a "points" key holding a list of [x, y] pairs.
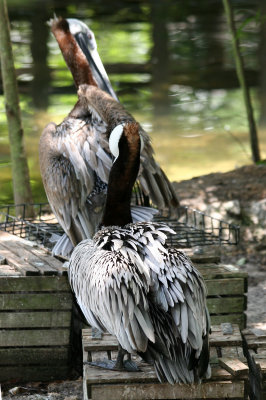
{"points": [[196, 123]]}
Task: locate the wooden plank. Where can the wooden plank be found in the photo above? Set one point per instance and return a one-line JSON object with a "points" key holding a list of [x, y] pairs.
{"points": [[239, 318], [254, 341], [208, 390], [107, 341], [19, 264], [35, 319], [21, 250], [43, 256], [249, 335], [87, 334], [261, 353], [205, 258], [217, 332], [224, 305], [213, 355], [218, 329], [214, 271], [234, 366], [36, 301], [98, 346], [33, 374], [34, 284], [217, 338], [34, 355], [233, 352], [8, 270], [43, 253], [36, 337], [225, 286], [95, 375], [261, 362]]}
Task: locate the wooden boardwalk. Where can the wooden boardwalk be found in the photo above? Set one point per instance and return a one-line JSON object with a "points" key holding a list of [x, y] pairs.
{"points": [[229, 373], [36, 313], [36, 308]]}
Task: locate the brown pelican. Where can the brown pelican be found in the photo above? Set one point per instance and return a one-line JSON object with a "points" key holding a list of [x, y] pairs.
{"points": [[128, 282], [75, 158]]}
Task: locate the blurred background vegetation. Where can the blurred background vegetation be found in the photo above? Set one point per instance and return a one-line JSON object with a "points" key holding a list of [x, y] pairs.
{"points": [[172, 66]]}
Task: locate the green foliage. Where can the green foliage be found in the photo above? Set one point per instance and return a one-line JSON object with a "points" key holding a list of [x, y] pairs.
{"points": [[261, 162]]}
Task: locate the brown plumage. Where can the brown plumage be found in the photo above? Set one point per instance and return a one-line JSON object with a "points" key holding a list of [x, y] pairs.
{"points": [[78, 64]]}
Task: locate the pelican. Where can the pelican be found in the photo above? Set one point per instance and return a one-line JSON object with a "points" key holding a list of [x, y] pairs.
{"points": [[128, 282], [75, 159]]}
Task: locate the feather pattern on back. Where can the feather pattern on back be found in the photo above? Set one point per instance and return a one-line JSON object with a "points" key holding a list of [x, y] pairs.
{"points": [[149, 296]]}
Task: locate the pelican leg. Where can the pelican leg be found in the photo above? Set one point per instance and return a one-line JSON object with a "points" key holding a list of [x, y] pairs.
{"points": [[119, 364]]}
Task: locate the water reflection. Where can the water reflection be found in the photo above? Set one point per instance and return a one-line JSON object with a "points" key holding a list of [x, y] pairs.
{"points": [[171, 65]]}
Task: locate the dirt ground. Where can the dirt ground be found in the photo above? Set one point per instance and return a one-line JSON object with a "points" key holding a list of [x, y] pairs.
{"points": [[242, 187], [247, 187]]}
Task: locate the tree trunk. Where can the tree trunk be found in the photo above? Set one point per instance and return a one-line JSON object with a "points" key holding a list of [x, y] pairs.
{"points": [[262, 63], [241, 77], [39, 38], [20, 172]]}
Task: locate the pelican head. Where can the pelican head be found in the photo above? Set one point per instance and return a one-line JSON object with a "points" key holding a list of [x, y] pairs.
{"points": [[76, 26], [86, 40], [114, 140]]}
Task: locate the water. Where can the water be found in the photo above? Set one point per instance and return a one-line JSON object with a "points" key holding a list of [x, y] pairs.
{"points": [[172, 68]]}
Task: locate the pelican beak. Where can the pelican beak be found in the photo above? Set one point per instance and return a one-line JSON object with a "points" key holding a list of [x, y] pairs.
{"points": [[96, 64]]}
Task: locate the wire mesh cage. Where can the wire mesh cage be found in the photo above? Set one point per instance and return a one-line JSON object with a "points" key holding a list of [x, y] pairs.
{"points": [[195, 228], [41, 228], [192, 227]]}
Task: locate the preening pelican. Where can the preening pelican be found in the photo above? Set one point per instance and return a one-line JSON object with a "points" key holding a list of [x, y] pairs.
{"points": [[128, 282], [75, 158]]}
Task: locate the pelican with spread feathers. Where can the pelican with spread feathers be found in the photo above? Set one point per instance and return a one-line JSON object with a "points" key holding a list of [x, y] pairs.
{"points": [[127, 281], [75, 158]]}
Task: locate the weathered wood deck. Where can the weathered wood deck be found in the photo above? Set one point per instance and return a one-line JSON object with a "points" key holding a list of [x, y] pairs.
{"points": [[229, 373], [36, 308], [35, 313]]}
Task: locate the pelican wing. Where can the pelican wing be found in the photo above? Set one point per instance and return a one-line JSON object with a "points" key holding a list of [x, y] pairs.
{"points": [[75, 168]]}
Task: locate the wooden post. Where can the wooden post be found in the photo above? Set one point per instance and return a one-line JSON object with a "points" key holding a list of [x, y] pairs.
{"points": [[241, 77], [20, 172]]}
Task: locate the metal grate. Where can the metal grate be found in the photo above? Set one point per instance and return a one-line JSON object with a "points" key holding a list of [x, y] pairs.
{"points": [[195, 228], [43, 228], [192, 227]]}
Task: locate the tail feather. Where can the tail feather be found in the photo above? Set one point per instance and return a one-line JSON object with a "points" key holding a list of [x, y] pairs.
{"points": [[173, 360]]}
